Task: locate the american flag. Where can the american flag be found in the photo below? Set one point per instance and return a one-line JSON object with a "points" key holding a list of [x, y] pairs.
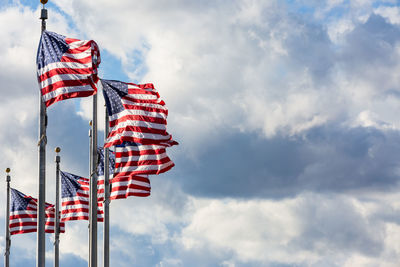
{"points": [[136, 112], [75, 198], [134, 159], [126, 185], [67, 67], [23, 214]]}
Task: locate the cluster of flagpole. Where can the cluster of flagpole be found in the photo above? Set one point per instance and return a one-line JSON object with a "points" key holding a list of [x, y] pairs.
{"points": [[138, 154]]}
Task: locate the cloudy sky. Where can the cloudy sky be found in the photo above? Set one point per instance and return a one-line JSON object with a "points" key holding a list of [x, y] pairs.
{"points": [[286, 112]]}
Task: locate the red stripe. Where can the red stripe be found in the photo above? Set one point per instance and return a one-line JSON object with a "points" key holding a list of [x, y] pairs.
{"points": [[74, 210], [145, 108], [127, 151], [152, 172], [33, 223], [130, 194], [141, 91], [138, 163], [139, 101], [138, 118], [59, 71], [139, 129], [76, 202], [22, 231], [69, 95], [143, 141], [84, 60], [75, 218], [22, 216], [65, 83], [143, 86]]}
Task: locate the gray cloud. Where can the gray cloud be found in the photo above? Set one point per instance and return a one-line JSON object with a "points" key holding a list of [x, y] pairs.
{"points": [[329, 158]]}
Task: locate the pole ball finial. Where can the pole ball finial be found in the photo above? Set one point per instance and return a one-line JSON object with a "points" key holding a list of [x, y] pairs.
{"points": [[43, 2], [8, 170], [58, 149], [90, 123]]}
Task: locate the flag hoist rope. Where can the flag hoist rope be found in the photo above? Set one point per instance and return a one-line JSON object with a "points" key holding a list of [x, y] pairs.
{"points": [[8, 240], [40, 248]]}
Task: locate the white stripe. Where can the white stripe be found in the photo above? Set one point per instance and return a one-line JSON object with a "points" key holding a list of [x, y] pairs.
{"points": [[78, 43], [139, 112], [21, 212], [23, 220], [80, 55], [139, 135], [63, 65], [140, 158], [138, 148], [131, 182], [76, 198], [143, 168], [63, 77], [21, 228], [75, 214]]}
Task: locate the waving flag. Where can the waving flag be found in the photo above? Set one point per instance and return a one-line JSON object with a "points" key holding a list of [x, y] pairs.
{"points": [[75, 198], [122, 186], [133, 185], [136, 113], [23, 214], [134, 159], [66, 67]]}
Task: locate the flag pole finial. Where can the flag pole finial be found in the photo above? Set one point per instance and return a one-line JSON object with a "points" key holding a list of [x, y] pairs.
{"points": [[8, 170], [58, 149], [43, 2]]}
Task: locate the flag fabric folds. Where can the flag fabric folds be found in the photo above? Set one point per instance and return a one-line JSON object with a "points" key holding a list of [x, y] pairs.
{"points": [[66, 67], [136, 113], [23, 214], [134, 159], [122, 186], [75, 198]]}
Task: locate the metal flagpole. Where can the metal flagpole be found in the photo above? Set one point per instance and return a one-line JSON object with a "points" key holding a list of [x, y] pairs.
{"points": [[41, 245], [8, 240], [106, 232], [93, 191], [90, 171], [57, 212]]}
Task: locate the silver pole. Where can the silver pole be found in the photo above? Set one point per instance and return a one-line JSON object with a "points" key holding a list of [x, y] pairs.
{"points": [[57, 216], [41, 245], [8, 240], [93, 191], [90, 171], [106, 232]]}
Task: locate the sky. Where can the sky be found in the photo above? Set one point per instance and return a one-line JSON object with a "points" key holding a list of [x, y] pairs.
{"points": [[286, 112]]}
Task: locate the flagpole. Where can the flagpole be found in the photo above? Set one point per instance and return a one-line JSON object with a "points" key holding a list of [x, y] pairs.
{"points": [[57, 215], [41, 245], [90, 171], [8, 240], [93, 191], [106, 232]]}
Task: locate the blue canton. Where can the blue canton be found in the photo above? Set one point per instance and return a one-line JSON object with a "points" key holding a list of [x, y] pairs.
{"points": [[18, 200], [111, 164], [125, 144], [113, 92], [69, 184], [52, 46]]}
